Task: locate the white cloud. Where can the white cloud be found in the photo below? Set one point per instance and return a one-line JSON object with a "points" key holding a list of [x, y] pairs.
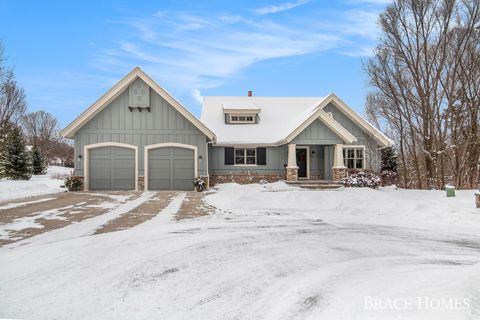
{"points": [[207, 56], [280, 7], [197, 96]]}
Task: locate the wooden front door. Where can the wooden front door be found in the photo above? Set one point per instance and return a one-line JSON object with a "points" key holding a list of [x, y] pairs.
{"points": [[302, 155]]}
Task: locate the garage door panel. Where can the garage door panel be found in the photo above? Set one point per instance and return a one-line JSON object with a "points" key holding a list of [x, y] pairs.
{"points": [[179, 184], [183, 164], [99, 152], [171, 168], [124, 163], [159, 163], [100, 184], [182, 152], [159, 184], [159, 152], [111, 168], [183, 174]]}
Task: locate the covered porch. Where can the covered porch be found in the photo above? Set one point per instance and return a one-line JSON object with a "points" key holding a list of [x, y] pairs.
{"points": [[314, 163]]}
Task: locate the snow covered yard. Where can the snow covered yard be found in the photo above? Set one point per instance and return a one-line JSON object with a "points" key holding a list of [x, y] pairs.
{"points": [[37, 185], [269, 252]]}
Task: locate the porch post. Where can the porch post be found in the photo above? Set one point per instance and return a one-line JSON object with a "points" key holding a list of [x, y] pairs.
{"points": [[292, 169], [339, 170]]}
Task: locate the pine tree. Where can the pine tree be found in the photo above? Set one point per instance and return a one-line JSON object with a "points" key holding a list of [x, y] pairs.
{"points": [[14, 159], [38, 162], [389, 160]]}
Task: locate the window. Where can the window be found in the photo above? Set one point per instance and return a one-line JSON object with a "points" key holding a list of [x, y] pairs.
{"points": [[245, 156], [353, 157], [242, 118]]}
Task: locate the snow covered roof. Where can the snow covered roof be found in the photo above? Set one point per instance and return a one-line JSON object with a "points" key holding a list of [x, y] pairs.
{"points": [[278, 118], [281, 119]]}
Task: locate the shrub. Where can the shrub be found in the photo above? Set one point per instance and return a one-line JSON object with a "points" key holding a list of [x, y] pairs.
{"points": [[73, 183], [39, 164], [362, 179], [15, 162], [199, 184]]}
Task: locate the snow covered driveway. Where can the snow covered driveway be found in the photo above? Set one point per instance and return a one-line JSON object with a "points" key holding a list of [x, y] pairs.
{"points": [[269, 252]]}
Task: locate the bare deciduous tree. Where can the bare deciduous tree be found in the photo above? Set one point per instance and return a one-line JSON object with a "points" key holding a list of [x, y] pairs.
{"points": [[12, 97], [426, 80], [41, 130]]}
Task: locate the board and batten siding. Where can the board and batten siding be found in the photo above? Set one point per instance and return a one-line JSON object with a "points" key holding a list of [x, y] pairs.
{"points": [[317, 133], [276, 158], [115, 123], [372, 154]]}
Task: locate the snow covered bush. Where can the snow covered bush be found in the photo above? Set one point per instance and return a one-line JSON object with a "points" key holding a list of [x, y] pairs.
{"points": [[199, 184], [362, 179], [73, 183]]}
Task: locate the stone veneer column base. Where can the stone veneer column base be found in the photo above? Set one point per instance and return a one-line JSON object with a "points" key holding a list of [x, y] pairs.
{"points": [[292, 173], [339, 173]]}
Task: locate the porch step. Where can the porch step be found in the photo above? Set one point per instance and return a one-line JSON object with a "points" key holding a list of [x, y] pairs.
{"points": [[316, 184]]}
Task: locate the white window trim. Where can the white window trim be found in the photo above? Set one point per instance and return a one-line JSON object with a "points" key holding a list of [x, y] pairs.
{"points": [[166, 145], [244, 157], [86, 159], [355, 154], [308, 160], [241, 121]]}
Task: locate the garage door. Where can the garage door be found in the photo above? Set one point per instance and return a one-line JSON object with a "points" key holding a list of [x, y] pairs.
{"points": [[111, 168], [170, 168]]}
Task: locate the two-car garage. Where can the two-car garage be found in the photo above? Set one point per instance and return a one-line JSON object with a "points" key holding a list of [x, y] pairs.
{"points": [[114, 166]]}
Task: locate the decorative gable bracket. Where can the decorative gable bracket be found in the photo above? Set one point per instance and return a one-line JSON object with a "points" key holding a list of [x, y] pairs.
{"points": [[139, 108]]}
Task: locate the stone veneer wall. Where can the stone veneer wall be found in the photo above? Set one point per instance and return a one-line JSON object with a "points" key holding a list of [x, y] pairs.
{"points": [[244, 178]]}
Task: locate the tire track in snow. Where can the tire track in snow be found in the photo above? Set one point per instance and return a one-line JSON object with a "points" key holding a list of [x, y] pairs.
{"points": [[89, 226]]}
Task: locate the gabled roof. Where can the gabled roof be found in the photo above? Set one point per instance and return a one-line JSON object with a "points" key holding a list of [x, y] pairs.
{"points": [[117, 89], [281, 119]]}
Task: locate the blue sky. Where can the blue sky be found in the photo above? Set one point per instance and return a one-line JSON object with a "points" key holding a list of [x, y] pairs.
{"points": [[68, 53]]}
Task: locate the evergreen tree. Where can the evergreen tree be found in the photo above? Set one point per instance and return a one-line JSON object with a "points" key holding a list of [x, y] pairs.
{"points": [[389, 160], [14, 159], [38, 162]]}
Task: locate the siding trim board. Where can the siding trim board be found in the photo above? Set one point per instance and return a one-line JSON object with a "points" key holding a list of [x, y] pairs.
{"points": [[167, 145], [86, 159]]}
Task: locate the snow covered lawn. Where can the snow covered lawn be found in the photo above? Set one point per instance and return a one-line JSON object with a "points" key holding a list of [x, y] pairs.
{"points": [[268, 252], [37, 185]]}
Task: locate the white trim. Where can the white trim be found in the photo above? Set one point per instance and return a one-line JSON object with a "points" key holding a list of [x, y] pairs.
{"points": [[355, 117], [231, 121], [166, 145], [241, 111], [308, 160], [86, 159], [345, 146], [335, 126], [117, 89], [331, 123], [244, 164]]}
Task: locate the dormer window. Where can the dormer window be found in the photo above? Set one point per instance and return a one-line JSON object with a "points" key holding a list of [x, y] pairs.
{"points": [[244, 118]]}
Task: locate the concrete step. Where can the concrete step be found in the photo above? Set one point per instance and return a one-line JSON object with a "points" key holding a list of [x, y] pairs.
{"points": [[320, 186]]}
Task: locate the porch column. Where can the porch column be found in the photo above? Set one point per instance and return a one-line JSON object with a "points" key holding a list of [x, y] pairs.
{"points": [[339, 170], [292, 169]]}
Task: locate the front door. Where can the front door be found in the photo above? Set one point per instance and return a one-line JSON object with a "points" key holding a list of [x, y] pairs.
{"points": [[302, 162]]}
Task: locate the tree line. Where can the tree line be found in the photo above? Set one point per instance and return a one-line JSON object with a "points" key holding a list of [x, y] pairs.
{"points": [[28, 140], [425, 76]]}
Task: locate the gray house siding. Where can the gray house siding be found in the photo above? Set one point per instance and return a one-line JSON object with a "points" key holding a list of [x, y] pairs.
{"points": [[372, 155], [317, 136], [115, 123], [317, 133], [276, 159]]}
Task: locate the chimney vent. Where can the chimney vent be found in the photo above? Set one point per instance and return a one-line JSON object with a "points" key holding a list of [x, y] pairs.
{"points": [[250, 93]]}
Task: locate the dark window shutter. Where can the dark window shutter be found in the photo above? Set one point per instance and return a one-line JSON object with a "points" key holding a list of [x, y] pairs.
{"points": [[261, 156], [229, 156]]}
